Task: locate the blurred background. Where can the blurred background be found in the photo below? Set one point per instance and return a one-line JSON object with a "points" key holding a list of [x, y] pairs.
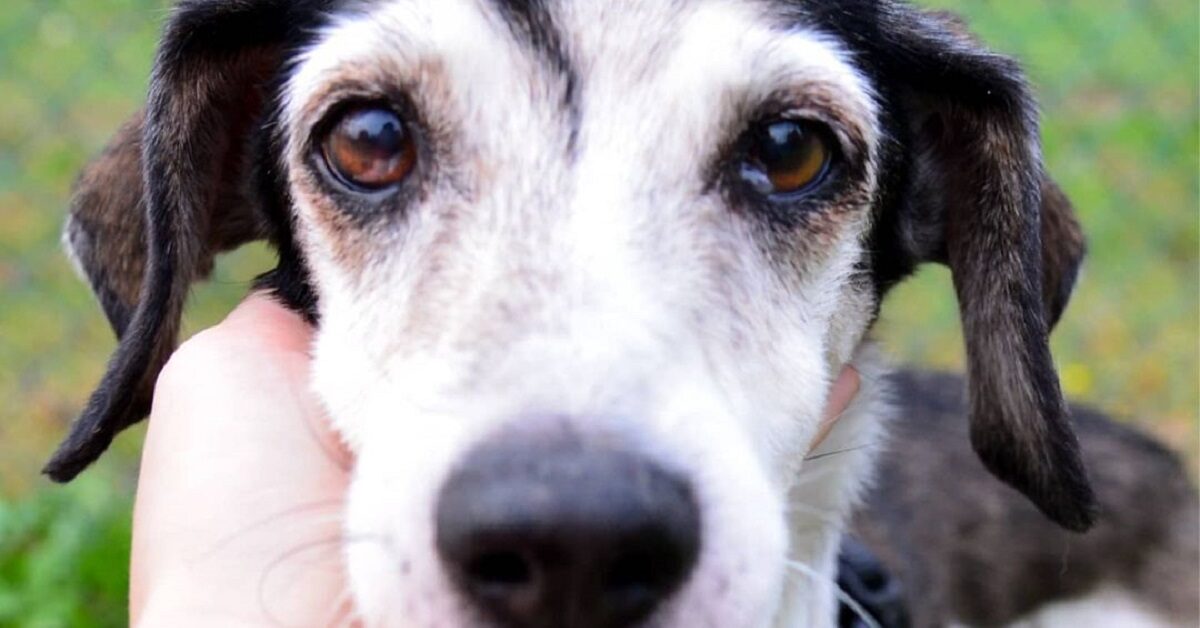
{"points": [[1118, 81]]}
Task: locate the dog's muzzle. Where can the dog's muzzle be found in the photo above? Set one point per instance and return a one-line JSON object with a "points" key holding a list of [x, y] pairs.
{"points": [[565, 530]]}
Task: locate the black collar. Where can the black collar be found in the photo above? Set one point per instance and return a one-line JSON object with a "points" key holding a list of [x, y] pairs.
{"points": [[863, 577]]}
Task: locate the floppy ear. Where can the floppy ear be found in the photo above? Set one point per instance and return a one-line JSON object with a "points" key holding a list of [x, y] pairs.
{"points": [[978, 200], [105, 234], [187, 178], [1063, 248]]}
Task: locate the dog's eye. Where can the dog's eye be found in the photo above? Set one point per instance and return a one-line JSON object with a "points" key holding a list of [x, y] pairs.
{"points": [[369, 147], [786, 156]]}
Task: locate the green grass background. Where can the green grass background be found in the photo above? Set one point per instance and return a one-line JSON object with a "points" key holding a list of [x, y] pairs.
{"points": [[1118, 80]]}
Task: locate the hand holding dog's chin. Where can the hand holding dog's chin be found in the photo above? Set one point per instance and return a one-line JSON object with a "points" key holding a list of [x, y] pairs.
{"points": [[242, 481]]}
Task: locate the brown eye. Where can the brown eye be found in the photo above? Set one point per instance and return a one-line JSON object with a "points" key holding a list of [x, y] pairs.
{"points": [[786, 156], [370, 148]]}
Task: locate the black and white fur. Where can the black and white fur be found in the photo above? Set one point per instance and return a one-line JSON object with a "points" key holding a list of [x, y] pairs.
{"points": [[571, 244]]}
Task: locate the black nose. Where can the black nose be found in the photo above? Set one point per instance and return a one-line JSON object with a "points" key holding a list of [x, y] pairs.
{"points": [[562, 532]]}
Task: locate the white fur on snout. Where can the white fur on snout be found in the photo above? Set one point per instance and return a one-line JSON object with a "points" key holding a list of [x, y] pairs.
{"points": [[604, 282]]}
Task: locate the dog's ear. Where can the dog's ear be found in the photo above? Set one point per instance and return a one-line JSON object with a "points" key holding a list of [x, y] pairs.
{"points": [[188, 177], [1063, 248], [977, 199], [105, 234]]}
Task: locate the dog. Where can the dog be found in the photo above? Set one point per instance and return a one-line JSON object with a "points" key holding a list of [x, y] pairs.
{"points": [[951, 546], [583, 274]]}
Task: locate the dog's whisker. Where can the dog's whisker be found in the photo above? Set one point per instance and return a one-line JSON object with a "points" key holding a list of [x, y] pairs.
{"points": [[334, 505], [335, 542], [836, 452], [843, 597], [332, 517]]}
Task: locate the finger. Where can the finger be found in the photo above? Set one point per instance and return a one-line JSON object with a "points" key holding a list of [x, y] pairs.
{"points": [[237, 477], [843, 391], [261, 318]]}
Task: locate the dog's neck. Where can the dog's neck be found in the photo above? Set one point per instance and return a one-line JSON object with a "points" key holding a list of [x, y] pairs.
{"points": [[826, 490]]}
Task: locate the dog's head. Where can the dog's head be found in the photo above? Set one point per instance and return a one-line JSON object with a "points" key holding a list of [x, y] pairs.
{"points": [[583, 272]]}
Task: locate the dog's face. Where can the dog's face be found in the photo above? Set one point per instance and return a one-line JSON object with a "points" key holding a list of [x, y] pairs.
{"points": [[603, 241], [629, 245]]}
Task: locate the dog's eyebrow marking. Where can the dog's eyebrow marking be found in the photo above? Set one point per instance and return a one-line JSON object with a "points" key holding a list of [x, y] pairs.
{"points": [[532, 22]]}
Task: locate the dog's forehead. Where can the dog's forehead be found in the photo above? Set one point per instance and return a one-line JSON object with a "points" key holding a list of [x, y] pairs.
{"points": [[587, 60]]}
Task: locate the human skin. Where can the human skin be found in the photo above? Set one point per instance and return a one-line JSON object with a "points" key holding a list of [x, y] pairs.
{"points": [[243, 481], [242, 484]]}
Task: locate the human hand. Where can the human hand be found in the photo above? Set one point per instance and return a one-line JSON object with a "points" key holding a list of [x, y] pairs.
{"points": [[242, 484]]}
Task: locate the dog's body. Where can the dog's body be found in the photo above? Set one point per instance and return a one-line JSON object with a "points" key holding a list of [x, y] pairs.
{"points": [[628, 245], [967, 550]]}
